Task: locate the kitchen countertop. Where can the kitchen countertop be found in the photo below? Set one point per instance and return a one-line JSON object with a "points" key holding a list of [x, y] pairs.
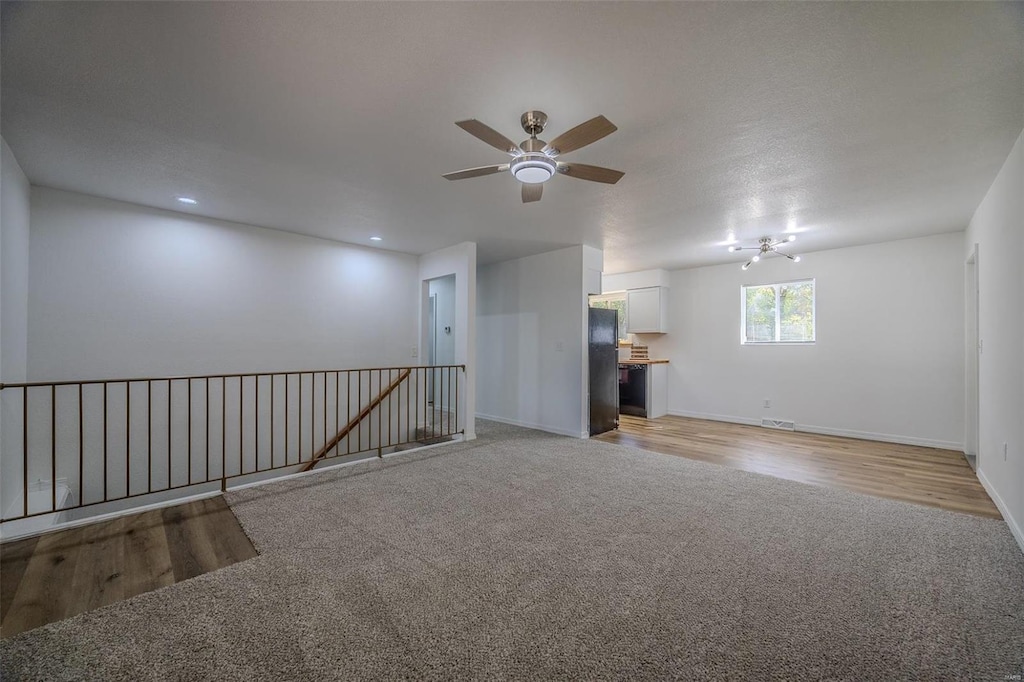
{"points": [[632, 361]]}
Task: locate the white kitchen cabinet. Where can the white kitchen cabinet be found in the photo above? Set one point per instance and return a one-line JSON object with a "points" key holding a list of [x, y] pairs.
{"points": [[647, 310], [657, 390]]}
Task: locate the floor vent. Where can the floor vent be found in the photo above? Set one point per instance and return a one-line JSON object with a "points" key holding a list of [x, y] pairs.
{"points": [[778, 424]]}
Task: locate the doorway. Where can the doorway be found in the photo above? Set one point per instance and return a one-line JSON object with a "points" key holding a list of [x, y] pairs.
{"points": [[972, 427], [440, 333]]}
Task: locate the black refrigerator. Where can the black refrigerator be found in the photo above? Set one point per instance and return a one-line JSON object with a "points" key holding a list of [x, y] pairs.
{"points": [[603, 353]]}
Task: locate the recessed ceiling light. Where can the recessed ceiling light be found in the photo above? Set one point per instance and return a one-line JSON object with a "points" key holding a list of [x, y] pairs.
{"points": [[188, 200], [376, 239]]}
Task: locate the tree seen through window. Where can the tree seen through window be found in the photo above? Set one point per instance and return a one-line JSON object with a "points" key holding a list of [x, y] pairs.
{"points": [[778, 313]]}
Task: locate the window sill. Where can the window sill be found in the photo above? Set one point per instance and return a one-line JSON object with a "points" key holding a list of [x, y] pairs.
{"points": [[777, 343]]}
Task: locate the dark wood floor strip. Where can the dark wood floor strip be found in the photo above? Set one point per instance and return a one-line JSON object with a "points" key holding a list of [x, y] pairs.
{"points": [[61, 574], [15, 557], [99, 571], [147, 556], [185, 556], [40, 598], [229, 548]]}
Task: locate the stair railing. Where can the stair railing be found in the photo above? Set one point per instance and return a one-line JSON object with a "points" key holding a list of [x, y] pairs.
{"points": [[75, 444]]}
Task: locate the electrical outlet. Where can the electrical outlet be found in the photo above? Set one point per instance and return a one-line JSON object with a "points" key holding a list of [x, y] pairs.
{"points": [[415, 352], [767, 403], [559, 346]]}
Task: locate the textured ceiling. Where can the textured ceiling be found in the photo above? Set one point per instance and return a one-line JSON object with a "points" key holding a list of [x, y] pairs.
{"points": [[848, 122]]}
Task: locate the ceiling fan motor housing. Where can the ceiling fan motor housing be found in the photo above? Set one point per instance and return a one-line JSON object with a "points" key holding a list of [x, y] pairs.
{"points": [[533, 122]]}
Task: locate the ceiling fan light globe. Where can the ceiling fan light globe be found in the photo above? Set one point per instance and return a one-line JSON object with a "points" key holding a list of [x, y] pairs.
{"points": [[533, 175], [756, 258], [533, 168], [796, 259]]}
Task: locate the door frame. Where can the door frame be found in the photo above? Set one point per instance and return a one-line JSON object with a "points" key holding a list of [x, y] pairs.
{"points": [[432, 344], [973, 351]]}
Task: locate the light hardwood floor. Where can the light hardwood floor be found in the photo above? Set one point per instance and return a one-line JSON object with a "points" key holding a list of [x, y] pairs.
{"points": [[928, 476], [58, 575]]}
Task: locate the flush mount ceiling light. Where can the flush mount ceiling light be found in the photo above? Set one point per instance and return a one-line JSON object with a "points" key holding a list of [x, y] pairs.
{"points": [[187, 200], [765, 246], [376, 239]]}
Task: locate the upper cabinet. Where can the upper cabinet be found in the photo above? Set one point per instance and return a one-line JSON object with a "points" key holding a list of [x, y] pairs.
{"points": [[648, 310]]}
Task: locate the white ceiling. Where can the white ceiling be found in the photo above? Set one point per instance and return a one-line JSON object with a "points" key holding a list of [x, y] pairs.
{"points": [[849, 122]]}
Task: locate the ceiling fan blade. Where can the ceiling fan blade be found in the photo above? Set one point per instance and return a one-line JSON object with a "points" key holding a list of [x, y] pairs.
{"points": [[489, 135], [580, 136], [532, 192], [594, 173], [476, 172]]}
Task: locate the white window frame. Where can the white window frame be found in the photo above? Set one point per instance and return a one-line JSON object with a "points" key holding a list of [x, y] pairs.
{"points": [[778, 325]]}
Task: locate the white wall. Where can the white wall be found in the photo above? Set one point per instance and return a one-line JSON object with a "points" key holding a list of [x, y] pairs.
{"points": [[998, 229], [14, 251], [14, 241], [888, 362], [532, 340], [119, 290], [123, 290], [460, 261]]}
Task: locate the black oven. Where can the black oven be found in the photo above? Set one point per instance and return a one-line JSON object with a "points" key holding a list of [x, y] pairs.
{"points": [[633, 389]]}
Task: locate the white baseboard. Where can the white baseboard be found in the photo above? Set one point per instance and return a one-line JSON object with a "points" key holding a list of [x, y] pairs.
{"points": [[1004, 509], [883, 437], [716, 417], [14, 529], [829, 431], [369, 457], [535, 427]]}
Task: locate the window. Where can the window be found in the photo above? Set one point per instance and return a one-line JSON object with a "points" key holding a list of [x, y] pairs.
{"points": [[616, 301], [777, 313]]}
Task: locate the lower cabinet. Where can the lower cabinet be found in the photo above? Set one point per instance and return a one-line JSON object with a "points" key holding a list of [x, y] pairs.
{"points": [[657, 390], [643, 389]]}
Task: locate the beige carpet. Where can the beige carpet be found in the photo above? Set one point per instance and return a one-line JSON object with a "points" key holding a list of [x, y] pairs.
{"points": [[529, 556]]}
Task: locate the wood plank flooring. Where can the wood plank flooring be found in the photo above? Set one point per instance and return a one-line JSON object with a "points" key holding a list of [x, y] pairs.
{"points": [[928, 476], [58, 575]]}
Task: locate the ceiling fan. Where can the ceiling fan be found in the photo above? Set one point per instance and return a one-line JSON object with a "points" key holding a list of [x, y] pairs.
{"points": [[535, 161]]}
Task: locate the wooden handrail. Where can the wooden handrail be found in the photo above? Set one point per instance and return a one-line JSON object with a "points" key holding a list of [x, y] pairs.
{"points": [[363, 414], [198, 377]]}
